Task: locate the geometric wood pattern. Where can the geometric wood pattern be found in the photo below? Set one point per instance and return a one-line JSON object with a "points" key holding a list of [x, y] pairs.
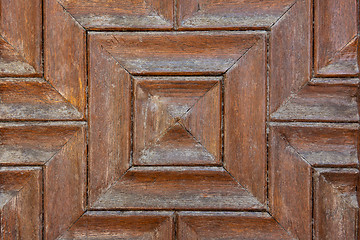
{"points": [[179, 119]]}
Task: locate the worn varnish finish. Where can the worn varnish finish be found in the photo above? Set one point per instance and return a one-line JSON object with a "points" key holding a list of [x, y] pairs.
{"points": [[336, 213], [110, 15], [186, 188], [336, 37], [229, 225], [122, 225], [20, 203], [174, 124], [179, 119], [20, 38], [234, 14], [33, 99]]}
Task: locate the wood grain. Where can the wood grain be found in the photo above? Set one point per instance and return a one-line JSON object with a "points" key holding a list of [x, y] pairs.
{"points": [[65, 185], [330, 102], [336, 214], [234, 14], [32, 144], [116, 15], [20, 203], [290, 54], [35, 99], [289, 187], [244, 120], [109, 120], [122, 225], [176, 53], [180, 188], [229, 225], [21, 37], [65, 54], [173, 124], [335, 37], [12, 63], [324, 145]]}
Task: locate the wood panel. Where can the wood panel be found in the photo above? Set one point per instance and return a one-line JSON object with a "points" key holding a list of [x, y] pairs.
{"points": [[35, 99], [336, 213], [244, 120], [20, 38], [180, 53], [20, 203], [234, 14], [322, 100], [109, 120], [290, 54], [179, 188], [336, 40], [229, 225], [173, 124], [116, 15], [295, 148], [122, 225], [289, 187], [65, 54], [60, 149]]}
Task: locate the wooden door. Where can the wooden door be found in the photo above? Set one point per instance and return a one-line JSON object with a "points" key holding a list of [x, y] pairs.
{"points": [[179, 119]]}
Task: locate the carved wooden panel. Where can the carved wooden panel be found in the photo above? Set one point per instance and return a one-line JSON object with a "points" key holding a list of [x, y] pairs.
{"points": [[179, 119]]}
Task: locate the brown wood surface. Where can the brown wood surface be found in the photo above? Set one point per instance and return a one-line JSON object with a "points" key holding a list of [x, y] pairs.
{"points": [[336, 40], [173, 124], [337, 208], [229, 225], [20, 38], [181, 188], [122, 225], [20, 203], [179, 53], [179, 119]]}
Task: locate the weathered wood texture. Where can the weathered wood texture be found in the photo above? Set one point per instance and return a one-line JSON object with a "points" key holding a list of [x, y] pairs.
{"points": [[110, 15], [60, 150], [244, 120], [229, 225], [294, 150], [245, 109], [336, 213], [322, 100], [20, 38], [336, 37], [33, 99], [181, 188], [109, 120], [122, 225], [179, 53], [20, 203], [177, 121], [290, 53], [234, 14], [65, 54]]}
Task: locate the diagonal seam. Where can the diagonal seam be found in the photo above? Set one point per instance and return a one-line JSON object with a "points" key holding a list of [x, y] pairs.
{"points": [[64, 99], [196, 140], [18, 53], [242, 55], [190, 108], [66, 11], [282, 15], [339, 51], [61, 147], [157, 13]]}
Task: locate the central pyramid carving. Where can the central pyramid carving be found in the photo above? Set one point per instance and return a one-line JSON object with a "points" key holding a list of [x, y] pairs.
{"points": [[177, 121]]}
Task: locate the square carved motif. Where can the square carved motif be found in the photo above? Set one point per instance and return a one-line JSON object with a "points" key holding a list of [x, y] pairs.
{"points": [[177, 120]]}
